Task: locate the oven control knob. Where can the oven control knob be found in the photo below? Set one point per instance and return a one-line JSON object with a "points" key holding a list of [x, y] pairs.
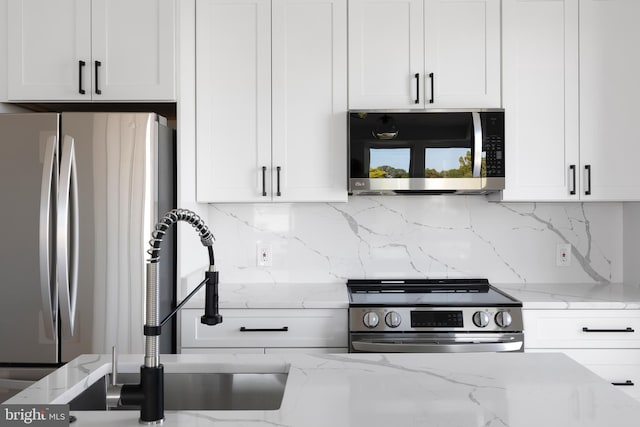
{"points": [[392, 319], [503, 319], [481, 319], [371, 319]]}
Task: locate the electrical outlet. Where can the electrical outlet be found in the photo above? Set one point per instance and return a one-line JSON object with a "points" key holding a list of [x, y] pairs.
{"points": [[563, 255], [264, 255]]}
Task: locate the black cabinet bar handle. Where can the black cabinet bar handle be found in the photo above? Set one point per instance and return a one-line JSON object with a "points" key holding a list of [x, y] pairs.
{"points": [[278, 181], [587, 168], [417, 77], [626, 330], [432, 80], [98, 64], [626, 383], [264, 181], [81, 65], [283, 329], [572, 168]]}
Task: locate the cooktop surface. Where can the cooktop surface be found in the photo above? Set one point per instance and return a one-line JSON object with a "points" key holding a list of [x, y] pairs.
{"points": [[431, 292]]}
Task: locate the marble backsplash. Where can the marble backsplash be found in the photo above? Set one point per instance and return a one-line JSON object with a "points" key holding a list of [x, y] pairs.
{"points": [[423, 236]]}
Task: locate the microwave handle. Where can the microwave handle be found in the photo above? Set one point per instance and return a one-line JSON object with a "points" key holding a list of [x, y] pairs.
{"points": [[477, 144]]}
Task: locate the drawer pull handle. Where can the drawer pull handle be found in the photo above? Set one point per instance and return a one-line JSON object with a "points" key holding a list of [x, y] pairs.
{"points": [[283, 329], [626, 383], [608, 330]]}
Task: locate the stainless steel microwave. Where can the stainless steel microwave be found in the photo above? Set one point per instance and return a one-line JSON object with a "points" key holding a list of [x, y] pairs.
{"points": [[427, 152]]}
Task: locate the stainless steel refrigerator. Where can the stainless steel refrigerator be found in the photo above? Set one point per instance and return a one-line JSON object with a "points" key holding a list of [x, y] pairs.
{"points": [[80, 194]]}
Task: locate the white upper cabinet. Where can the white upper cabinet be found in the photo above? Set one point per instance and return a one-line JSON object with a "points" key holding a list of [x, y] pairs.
{"points": [[272, 100], [233, 102], [309, 104], [462, 53], [569, 95], [386, 52], [424, 54], [91, 50], [609, 94], [540, 96]]}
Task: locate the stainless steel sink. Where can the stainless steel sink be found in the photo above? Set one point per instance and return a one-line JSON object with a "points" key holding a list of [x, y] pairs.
{"points": [[198, 391]]}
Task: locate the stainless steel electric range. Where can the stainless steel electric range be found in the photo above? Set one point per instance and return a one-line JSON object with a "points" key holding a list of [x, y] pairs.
{"points": [[432, 316]]}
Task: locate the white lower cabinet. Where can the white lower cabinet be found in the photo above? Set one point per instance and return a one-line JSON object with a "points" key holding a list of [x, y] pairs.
{"points": [[605, 341], [266, 331]]}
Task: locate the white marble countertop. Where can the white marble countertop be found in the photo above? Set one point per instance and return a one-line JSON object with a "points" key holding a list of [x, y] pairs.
{"points": [[268, 295], [483, 389], [575, 295], [534, 296]]}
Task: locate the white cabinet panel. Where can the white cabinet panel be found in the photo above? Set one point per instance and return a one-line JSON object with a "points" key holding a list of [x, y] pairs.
{"points": [[233, 102], [540, 95], [272, 100], [270, 328], [47, 40], [424, 54], [56, 48], [386, 51], [135, 43], [309, 55], [582, 328], [569, 90], [609, 93], [462, 53], [224, 350]]}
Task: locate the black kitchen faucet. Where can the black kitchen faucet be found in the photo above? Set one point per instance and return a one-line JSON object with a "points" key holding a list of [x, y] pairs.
{"points": [[149, 394]]}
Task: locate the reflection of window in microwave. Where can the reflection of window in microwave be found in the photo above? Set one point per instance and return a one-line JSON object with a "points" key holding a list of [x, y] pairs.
{"points": [[448, 163], [389, 162]]}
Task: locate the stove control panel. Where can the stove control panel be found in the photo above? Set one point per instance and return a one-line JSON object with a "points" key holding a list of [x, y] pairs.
{"points": [[419, 319]]}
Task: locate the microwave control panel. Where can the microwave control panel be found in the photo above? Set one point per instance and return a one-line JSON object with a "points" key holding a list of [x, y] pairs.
{"points": [[493, 143]]}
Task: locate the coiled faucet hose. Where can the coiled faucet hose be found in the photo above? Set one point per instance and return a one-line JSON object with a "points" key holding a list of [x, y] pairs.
{"points": [[172, 217]]}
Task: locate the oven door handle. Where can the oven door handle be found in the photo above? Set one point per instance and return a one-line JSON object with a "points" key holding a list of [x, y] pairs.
{"points": [[380, 347]]}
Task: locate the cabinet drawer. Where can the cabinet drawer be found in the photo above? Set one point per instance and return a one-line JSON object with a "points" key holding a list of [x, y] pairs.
{"points": [[619, 367], [267, 328], [259, 350], [582, 328]]}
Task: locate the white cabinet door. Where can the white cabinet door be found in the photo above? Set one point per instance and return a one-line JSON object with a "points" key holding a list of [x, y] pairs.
{"points": [[233, 103], [134, 43], [424, 54], [49, 50], [386, 53], [309, 71], [462, 53], [271, 104], [609, 93], [266, 328], [56, 48], [540, 95]]}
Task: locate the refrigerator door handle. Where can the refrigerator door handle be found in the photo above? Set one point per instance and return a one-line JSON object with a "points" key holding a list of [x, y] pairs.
{"points": [[67, 235], [48, 283]]}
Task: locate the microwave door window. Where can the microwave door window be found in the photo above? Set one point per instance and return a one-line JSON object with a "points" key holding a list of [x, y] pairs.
{"points": [[451, 162], [389, 162]]}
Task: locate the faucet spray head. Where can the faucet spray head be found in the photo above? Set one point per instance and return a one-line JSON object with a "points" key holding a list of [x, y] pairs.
{"points": [[211, 315]]}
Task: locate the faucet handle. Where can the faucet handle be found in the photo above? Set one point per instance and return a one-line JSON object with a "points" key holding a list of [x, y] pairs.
{"points": [[114, 390]]}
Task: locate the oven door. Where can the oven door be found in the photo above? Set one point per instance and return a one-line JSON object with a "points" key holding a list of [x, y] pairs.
{"points": [[440, 342]]}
